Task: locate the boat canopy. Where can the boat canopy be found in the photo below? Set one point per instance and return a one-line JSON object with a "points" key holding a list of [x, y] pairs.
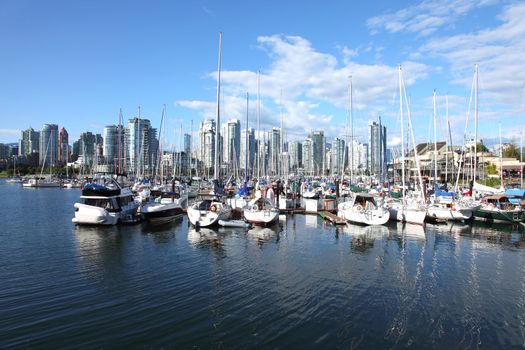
{"points": [[440, 193], [94, 189]]}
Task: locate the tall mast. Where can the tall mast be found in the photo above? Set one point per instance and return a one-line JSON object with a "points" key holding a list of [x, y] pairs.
{"points": [[217, 116], [258, 124], [414, 148], [500, 157], [246, 145], [446, 138], [119, 138], [435, 140], [402, 132], [281, 137], [521, 159], [190, 162], [476, 124]]}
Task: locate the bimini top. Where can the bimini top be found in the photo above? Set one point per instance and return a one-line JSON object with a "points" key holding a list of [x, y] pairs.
{"points": [[94, 189]]}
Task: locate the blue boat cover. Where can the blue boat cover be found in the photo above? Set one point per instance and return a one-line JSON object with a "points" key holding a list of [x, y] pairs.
{"points": [[440, 193]]}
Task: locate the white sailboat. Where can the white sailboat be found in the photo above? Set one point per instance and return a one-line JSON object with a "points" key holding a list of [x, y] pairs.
{"points": [[407, 210], [207, 213], [364, 209]]}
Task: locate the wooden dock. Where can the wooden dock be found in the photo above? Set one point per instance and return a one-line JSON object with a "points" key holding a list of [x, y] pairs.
{"points": [[334, 219], [292, 211]]}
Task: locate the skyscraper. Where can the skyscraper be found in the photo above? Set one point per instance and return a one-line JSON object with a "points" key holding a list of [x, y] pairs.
{"points": [[308, 156], [49, 145], [318, 151], [231, 137], [337, 159], [86, 147], [29, 143], [112, 145], [207, 143], [247, 150], [142, 144], [376, 148], [296, 155], [63, 146], [275, 150]]}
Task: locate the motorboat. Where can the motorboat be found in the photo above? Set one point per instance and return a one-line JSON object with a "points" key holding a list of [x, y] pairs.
{"points": [[499, 208], [261, 211], [42, 182], [207, 213], [105, 203], [160, 213], [363, 209]]}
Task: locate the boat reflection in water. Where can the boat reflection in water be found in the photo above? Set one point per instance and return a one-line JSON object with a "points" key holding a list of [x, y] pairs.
{"points": [[261, 235], [363, 237], [205, 236]]}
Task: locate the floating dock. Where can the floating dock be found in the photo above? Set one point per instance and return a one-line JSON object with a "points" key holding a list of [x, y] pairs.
{"points": [[334, 219]]}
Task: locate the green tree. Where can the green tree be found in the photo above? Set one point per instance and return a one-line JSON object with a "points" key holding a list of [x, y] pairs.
{"points": [[481, 147], [511, 151], [491, 169]]}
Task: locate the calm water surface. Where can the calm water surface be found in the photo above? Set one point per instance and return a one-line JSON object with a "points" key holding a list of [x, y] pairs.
{"points": [[299, 284]]}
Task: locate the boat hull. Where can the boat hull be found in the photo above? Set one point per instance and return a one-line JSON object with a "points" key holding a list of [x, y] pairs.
{"points": [[261, 217], [496, 215]]}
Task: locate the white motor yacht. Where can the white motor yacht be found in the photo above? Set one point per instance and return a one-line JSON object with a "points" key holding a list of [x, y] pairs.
{"points": [[105, 203]]}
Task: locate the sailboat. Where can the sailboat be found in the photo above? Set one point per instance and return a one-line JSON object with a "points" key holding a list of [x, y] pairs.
{"points": [[445, 205], [16, 179], [162, 210], [409, 209], [208, 212], [360, 208]]}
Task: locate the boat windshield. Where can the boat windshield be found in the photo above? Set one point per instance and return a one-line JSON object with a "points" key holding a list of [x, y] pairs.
{"points": [[101, 203]]}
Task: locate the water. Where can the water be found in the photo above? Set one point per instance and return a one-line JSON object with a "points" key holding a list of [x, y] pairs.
{"points": [[300, 284]]}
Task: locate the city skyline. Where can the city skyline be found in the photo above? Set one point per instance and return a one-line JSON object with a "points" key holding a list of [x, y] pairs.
{"points": [[81, 76]]}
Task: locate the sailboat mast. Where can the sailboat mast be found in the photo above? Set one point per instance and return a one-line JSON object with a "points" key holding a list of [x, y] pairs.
{"points": [[119, 138], [190, 161], [217, 116], [280, 158], [435, 139], [446, 138], [402, 133], [246, 145], [500, 157], [476, 124], [521, 159], [258, 124]]}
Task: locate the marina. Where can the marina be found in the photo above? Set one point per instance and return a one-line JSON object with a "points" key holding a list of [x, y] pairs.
{"points": [[299, 282], [283, 175]]}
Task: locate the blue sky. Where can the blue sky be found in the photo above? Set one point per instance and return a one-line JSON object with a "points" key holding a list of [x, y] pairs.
{"points": [[75, 63]]}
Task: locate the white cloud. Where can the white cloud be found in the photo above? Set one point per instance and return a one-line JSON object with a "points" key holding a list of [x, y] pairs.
{"points": [[10, 134], [499, 53], [426, 17], [309, 81]]}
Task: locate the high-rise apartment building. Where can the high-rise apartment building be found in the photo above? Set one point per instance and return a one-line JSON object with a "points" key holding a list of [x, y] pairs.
{"points": [[142, 145], [49, 145], [377, 148], [308, 157], [296, 155], [29, 142], [63, 146], [318, 151], [207, 132], [112, 146], [337, 159], [275, 150], [231, 140], [247, 152]]}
